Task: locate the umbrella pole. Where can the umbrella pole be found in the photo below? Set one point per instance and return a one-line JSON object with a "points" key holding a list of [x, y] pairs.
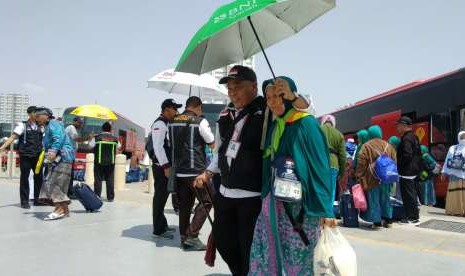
{"points": [[261, 46], [267, 110]]}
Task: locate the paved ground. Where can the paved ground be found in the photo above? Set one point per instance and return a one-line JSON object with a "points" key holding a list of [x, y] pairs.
{"points": [[118, 241]]}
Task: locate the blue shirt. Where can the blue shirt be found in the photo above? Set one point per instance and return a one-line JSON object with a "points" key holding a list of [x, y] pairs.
{"points": [[56, 139]]}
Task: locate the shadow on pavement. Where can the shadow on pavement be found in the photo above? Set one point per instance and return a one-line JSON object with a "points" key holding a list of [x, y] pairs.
{"points": [[11, 205], [38, 215], [439, 213], [144, 232]]}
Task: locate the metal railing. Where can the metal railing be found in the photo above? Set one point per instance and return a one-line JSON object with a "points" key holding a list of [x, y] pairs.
{"points": [[9, 164]]}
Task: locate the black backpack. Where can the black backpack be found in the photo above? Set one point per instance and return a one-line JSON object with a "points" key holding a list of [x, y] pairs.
{"points": [[149, 146]]}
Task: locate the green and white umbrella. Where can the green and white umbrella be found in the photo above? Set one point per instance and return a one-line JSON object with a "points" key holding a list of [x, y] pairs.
{"points": [[238, 30]]}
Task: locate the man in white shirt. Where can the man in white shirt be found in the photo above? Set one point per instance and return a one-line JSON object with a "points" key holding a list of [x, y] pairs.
{"points": [[72, 132], [161, 166], [29, 137]]}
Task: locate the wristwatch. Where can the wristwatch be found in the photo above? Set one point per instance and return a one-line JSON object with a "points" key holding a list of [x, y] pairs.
{"points": [[296, 96], [209, 173]]}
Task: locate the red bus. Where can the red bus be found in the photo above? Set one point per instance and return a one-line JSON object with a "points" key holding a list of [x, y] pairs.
{"points": [[436, 106], [130, 135]]}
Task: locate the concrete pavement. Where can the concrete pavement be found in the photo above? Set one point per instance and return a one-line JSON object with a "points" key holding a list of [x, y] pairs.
{"points": [[118, 241]]}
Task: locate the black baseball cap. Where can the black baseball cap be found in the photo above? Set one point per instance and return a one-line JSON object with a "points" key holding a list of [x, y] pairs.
{"points": [[239, 72], [31, 109], [404, 120], [170, 103]]}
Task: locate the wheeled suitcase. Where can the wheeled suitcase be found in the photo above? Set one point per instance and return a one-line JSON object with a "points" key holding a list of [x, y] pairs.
{"points": [[87, 197], [348, 211], [398, 212]]}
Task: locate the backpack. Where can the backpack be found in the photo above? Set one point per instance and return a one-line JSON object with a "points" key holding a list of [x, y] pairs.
{"points": [[384, 168], [149, 146]]}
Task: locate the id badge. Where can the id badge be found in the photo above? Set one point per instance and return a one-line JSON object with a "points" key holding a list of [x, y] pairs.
{"points": [[233, 149]]}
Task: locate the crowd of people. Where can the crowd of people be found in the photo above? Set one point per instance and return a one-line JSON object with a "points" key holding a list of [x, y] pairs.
{"points": [[252, 227], [48, 150], [272, 180]]}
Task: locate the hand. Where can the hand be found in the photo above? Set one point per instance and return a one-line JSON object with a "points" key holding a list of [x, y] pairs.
{"points": [[201, 180], [167, 171], [51, 155], [328, 222], [285, 91]]}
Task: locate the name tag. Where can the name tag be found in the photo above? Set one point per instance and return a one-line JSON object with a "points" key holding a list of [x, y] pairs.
{"points": [[233, 149]]}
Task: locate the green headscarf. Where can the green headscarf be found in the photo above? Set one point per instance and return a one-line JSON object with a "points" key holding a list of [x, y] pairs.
{"points": [[362, 136], [394, 141], [375, 132]]}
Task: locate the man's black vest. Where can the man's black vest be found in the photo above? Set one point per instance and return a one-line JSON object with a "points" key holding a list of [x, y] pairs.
{"points": [[30, 142], [188, 144], [245, 171], [166, 143], [105, 149]]}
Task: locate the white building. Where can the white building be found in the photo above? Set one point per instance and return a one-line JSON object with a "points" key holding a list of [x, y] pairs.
{"points": [[13, 107], [223, 71]]}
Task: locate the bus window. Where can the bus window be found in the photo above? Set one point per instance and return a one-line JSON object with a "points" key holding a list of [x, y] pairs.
{"points": [[462, 119], [441, 133]]}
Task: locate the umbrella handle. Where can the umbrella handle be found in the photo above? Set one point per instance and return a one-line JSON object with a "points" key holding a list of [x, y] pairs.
{"points": [[261, 46]]}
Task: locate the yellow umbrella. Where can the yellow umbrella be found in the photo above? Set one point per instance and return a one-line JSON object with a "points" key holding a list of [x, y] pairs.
{"points": [[94, 111]]}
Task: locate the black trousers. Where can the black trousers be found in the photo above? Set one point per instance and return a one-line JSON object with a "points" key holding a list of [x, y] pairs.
{"points": [[233, 230], [159, 200], [410, 190], [27, 164], [187, 196], [101, 173]]}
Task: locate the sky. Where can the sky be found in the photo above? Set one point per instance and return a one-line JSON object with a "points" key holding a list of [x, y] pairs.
{"points": [[72, 52]]}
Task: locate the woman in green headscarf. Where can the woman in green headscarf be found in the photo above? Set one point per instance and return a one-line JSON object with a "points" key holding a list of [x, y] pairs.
{"points": [[428, 195], [379, 210], [277, 248], [394, 141], [362, 138]]}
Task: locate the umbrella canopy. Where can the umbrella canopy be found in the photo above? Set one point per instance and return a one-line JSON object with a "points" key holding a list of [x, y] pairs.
{"points": [[94, 111], [231, 33], [204, 86]]}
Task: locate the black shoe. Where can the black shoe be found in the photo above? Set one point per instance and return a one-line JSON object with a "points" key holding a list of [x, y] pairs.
{"points": [[25, 206], [170, 229], [195, 244], [72, 196], [404, 221], [414, 221], [39, 203], [387, 224], [165, 235]]}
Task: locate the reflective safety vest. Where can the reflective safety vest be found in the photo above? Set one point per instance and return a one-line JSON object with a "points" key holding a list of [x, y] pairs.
{"points": [[105, 149]]}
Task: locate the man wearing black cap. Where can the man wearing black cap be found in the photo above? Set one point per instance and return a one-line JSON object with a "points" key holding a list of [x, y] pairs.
{"points": [[409, 166], [238, 157], [161, 159], [72, 132], [30, 146]]}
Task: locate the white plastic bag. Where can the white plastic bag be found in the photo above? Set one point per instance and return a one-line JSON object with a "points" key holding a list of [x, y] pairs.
{"points": [[333, 255]]}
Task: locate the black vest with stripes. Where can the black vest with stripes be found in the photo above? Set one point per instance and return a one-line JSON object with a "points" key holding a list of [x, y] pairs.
{"points": [[187, 144]]}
